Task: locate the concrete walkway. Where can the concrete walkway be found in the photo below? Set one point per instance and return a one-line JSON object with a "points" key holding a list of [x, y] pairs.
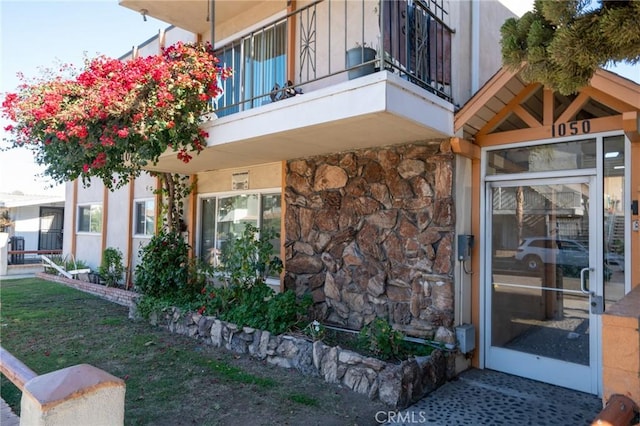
{"points": [[478, 398], [7, 417], [485, 397]]}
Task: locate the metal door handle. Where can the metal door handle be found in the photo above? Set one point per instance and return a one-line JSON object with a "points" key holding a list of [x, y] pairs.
{"points": [[583, 284]]}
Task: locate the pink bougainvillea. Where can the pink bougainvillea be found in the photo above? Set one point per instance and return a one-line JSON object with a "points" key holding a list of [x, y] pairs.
{"points": [[115, 117]]}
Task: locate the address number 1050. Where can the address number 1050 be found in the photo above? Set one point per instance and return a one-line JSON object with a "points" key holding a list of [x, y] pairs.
{"points": [[571, 128]]}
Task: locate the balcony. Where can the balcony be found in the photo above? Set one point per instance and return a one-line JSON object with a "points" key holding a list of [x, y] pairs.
{"points": [[399, 92]]}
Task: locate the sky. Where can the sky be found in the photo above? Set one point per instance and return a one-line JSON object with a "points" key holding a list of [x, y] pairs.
{"points": [[43, 34]]}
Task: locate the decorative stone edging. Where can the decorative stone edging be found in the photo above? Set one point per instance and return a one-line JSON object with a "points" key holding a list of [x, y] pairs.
{"points": [[398, 385]]}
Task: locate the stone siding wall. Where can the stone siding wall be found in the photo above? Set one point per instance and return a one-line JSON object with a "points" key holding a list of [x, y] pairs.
{"points": [[369, 234], [398, 385]]}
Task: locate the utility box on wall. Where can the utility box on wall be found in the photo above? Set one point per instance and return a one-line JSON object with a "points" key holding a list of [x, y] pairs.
{"points": [[466, 337]]}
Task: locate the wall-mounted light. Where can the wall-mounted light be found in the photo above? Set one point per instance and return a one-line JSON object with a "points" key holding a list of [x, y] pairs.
{"points": [[611, 154], [144, 12]]}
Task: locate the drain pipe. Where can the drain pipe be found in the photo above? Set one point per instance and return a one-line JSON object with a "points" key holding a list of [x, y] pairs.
{"points": [[211, 17], [475, 46]]}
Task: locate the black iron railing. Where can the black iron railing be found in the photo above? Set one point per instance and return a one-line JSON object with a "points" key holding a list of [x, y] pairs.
{"points": [[335, 40]]}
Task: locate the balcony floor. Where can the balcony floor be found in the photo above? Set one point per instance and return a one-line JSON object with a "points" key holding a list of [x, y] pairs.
{"points": [[379, 109]]}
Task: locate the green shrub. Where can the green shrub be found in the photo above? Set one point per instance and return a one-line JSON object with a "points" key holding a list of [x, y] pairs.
{"points": [[164, 266], [247, 261], [244, 297], [111, 269], [380, 338], [240, 295]]}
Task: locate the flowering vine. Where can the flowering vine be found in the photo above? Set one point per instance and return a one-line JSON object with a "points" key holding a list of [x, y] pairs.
{"points": [[115, 117]]}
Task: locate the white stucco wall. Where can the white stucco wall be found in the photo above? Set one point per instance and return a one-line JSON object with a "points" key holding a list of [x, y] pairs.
{"points": [[492, 14], [27, 223]]}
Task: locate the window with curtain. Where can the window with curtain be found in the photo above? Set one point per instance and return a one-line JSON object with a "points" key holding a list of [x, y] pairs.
{"points": [[259, 63]]}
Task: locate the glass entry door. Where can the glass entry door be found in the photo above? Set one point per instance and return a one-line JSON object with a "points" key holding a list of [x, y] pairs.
{"points": [[544, 287]]}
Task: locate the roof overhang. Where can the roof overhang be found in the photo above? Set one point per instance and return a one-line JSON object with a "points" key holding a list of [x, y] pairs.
{"points": [[509, 109], [371, 111], [193, 15], [15, 201]]}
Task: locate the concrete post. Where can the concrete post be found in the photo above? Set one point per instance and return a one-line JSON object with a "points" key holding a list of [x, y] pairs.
{"points": [[78, 395], [4, 253]]}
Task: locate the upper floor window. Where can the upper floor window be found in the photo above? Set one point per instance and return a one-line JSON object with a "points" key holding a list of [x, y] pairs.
{"points": [[90, 218], [145, 217], [259, 63]]}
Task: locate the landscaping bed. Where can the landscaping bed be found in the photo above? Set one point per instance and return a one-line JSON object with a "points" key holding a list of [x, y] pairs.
{"points": [[170, 379], [398, 384]]}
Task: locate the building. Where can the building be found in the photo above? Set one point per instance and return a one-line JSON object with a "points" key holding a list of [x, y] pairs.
{"points": [[36, 228], [404, 170]]}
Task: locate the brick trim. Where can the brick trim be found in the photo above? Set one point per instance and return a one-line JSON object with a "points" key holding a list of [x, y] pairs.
{"points": [[115, 295]]}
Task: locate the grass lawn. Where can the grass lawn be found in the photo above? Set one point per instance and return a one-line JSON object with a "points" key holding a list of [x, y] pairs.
{"points": [[170, 379]]}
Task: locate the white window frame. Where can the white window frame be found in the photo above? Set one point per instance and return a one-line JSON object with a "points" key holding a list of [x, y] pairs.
{"points": [[90, 206], [135, 217], [217, 196]]}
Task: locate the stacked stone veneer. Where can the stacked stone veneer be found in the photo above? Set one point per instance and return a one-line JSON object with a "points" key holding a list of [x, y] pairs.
{"points": [[369, 234], [398, 385]]}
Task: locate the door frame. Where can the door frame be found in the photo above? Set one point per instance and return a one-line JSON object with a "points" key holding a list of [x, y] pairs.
{"points": [[561, 373], [597, 171]]}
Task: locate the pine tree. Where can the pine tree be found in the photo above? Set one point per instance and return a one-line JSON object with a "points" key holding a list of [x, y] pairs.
{"points": [[562, 43]]}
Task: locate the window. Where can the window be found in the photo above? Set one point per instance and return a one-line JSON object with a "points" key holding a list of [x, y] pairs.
{"points": [[224, 218], [90, 218], [144, 217], [259, 62]]}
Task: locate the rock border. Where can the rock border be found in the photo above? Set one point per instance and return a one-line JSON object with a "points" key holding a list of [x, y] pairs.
{"points": [[398, 385]]}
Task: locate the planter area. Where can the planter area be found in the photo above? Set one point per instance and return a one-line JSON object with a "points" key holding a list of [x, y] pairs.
{"points": [[398, 385]]}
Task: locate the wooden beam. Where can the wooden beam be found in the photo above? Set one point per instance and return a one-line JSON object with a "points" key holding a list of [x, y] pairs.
{"points": [[634, 153], [158, 202], [476, 286], [625, 90], [547, 107], [483, 96], [74, 212], [508, 109], [283, 228], [129, 228], [465, 148], [162, 40], [607, 100], [193, 207], [631, 125], [573, 108], [596, 125], [529, 119], [105, 219]]}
